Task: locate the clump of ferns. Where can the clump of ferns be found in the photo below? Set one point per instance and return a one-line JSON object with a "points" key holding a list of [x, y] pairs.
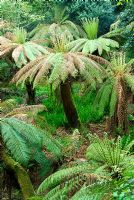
{"points": [[111, 153], [109, 164], [25, 143]]}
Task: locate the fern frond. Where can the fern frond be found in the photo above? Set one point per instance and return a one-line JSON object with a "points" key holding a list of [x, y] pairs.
{"points": [[58, 67], [113, 98], [25, 69], [130, 81], [56, 178], [97, 191], [14, 142], [105, 150], [25, 142], [103, 97], [34, 109], [7, 105], [91, 27], [99, 59], [63, 190]]}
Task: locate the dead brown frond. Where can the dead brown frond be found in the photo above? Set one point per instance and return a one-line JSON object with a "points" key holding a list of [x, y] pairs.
{"points": [[99, 59], [26, 69], [34, 109]]}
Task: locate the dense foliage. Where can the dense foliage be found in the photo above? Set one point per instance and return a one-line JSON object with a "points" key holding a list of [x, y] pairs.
{"points": [[66, 99]]}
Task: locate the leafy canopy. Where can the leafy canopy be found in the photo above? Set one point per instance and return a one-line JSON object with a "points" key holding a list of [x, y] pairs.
{"points": [[60, 65]]}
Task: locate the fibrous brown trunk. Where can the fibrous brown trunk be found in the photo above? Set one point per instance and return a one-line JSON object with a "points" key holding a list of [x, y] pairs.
{"points": [[119, 120], [30, 93], [21, 175], [68, 104]]}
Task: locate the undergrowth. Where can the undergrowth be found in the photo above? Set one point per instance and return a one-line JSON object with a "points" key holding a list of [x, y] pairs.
{"points": [[55, 117]]}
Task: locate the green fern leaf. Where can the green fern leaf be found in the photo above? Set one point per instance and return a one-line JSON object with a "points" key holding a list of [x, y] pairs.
{"points": [[15, 143]]}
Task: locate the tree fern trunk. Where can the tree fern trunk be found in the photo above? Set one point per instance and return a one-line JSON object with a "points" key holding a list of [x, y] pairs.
{"points": [[68, 104], [30, 93], [21, 175], [119, 120]]}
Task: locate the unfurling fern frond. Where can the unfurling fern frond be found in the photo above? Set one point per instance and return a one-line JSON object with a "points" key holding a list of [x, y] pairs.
{"points": [[91, 27]]}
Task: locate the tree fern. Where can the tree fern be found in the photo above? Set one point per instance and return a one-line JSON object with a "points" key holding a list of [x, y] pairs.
{"points": [[22, 50], [119, 75], [60, 65], [59, 24], [92, 43]]}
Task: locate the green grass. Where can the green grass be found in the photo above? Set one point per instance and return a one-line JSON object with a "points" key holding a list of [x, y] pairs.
{"points": [[85, 105], [55, 116]]}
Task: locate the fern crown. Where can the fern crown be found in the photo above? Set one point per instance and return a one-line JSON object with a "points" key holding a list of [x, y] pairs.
{"points": [[19, 36], [91, 27], [92, 43], [60, 65], [22, 50]]}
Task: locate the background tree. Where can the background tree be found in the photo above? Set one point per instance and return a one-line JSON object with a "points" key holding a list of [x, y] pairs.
{"points": [[59, 22], [21, 51]]}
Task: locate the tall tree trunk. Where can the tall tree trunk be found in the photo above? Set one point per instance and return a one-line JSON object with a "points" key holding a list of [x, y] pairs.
{"points": [[119, 120], [68, 104], [21, 175], [30, 93]]}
